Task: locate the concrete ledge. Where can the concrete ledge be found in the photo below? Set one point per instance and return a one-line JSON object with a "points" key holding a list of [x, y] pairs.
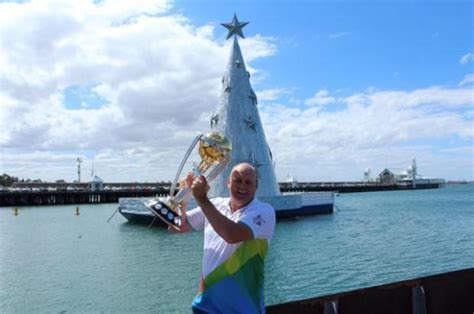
{"points": [[451, 292]]}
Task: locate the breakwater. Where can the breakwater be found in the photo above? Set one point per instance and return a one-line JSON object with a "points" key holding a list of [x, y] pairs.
{"points": [[43, 196], [443, 293]]}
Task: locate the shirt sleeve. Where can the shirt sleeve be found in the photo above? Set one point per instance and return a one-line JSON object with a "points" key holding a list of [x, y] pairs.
{"points": [[260, 220], [196, 218]]}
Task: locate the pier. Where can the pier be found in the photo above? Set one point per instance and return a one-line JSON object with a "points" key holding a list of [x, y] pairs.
{"points": [[23, 198], [358, 186], [33, 194]]}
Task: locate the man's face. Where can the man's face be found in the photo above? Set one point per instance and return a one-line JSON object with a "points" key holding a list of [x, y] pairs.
{"points": [[242, 186]]}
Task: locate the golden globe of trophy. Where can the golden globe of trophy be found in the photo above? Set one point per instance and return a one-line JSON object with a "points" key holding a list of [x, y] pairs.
{"points": [[214, 150]]}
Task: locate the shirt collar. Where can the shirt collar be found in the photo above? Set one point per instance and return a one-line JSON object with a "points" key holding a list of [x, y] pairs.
{"points": [[242, 209]]}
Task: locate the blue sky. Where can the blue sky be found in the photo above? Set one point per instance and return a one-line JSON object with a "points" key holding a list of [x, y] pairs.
{"points": [[353, 44], [342, 85]]}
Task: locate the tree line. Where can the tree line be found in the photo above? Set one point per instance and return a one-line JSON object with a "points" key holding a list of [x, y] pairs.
{"points": [[7, 180]]}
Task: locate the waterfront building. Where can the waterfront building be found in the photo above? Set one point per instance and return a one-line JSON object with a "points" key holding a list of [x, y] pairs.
{"points": [[97, 184]]}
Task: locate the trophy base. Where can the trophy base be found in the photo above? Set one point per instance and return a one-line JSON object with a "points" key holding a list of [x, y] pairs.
{"points": [[164, 211]]}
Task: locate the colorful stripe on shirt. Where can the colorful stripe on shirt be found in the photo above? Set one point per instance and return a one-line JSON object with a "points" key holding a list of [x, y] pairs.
{"points": [[237, 283]]}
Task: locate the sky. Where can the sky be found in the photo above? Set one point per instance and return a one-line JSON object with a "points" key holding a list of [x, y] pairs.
{"points": [[342, 86]]}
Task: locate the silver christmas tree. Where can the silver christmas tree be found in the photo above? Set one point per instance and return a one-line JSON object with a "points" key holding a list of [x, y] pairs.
{"points": [[237, 117]]}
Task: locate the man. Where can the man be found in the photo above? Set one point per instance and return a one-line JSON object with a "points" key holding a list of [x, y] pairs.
{"points": [[237, 232]]}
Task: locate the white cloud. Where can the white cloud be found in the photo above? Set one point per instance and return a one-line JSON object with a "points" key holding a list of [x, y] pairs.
{"points": [[433, 97], [254, 48], [160, 77], [158, 74], [376, 129], [271, 94], [321, 98], [468, 79], [339, 35], [468, 57]]}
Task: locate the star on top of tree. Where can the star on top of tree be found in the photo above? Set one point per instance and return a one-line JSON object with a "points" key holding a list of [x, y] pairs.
{"points": [[235, 27]]}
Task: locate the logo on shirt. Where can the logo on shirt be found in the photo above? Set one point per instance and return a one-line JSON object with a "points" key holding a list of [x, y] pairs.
{"points": [[258, 220]]}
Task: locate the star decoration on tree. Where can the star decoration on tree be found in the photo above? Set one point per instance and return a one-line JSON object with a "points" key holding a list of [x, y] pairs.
{"points": [[250, 124], [234, 27], [253, 97], [214, 120]]}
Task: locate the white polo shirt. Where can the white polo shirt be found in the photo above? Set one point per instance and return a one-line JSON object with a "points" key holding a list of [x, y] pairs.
{"points": [[232, 274]]}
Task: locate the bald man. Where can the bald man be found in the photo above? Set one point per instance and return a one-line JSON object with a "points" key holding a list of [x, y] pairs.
{"points": [[237, 234]]}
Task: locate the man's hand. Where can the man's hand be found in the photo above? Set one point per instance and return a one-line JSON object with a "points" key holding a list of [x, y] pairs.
{"points": [[230, 231], [185, 227], [187, 182], [200, 187]]}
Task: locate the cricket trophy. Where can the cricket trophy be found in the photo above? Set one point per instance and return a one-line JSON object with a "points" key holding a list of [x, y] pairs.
{"points": [[214, 150]]}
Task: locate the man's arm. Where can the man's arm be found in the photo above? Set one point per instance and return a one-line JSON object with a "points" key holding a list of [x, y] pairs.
{"points": [[230, 231]]}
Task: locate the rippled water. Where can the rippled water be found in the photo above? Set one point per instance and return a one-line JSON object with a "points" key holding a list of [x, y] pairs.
{"points": [[54, 261]]}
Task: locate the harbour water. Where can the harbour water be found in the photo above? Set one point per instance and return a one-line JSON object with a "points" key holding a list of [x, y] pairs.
{"points": [[52, 260]]}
